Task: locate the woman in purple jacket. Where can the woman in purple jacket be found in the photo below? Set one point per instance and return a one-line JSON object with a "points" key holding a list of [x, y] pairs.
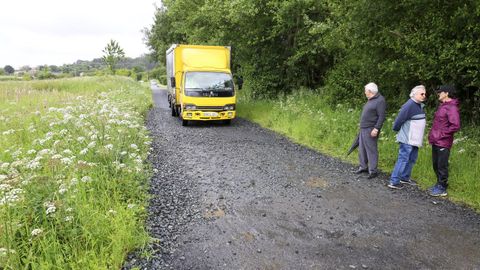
{"points": [[445, 123]]}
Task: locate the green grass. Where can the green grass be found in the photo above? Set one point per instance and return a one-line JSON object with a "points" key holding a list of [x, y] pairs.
{"points": [[308, 120], [73, 174]]}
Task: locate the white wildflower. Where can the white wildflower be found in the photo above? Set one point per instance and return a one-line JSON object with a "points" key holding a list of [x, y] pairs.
{"points": [[80, 139], [51, 210], [86, 179], [57, 156], [44, 152], [113, 212], [31, 152], [17, 163], [69, 210], [131, 205], [460, 140], [109, 146], [461, 150], [49, 135], [67, 117], [91, 144], [133, 146], [63, 132], [33, 164], [5, 187], [3, 177], [37, 232], [66, 161], [62, 189], [17, 153], [84, 151], [67, 152], [73, 182], [68, 218], [8, 132], [123, 153], [5, 252]]}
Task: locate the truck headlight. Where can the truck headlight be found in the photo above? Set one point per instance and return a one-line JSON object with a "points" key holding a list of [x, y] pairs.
{"points": [[229, 107], [190, 107]]}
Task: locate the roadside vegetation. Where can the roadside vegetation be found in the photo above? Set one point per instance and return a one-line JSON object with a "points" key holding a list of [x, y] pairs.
{"points": [[307, 119], [72, 172]]}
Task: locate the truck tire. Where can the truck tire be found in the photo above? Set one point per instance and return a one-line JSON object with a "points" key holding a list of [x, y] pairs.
{"points": [[227, 122], [184, 122], [174, 112]]}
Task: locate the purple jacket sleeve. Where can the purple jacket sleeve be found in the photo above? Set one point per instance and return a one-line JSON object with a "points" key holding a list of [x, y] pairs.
{"points": [[454, 119]]}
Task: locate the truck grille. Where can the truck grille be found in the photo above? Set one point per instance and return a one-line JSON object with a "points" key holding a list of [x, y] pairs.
{"points": [[210, 108]]}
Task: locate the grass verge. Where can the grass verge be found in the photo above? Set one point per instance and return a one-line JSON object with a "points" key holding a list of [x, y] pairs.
{"points": [[308, 120], [72, 172]]}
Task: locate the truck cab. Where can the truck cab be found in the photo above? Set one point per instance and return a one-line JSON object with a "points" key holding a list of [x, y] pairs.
{"points": [[200, 83]]}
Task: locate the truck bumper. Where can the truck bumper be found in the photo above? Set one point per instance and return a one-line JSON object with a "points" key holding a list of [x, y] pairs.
{"points": [[207, 116]]}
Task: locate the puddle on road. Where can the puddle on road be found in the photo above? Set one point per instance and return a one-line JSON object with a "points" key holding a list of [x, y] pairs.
{"points": [[316, 182]]}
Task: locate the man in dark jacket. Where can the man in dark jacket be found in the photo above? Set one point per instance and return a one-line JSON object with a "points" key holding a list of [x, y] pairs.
{"points": [[445, 123], [371, 121]]}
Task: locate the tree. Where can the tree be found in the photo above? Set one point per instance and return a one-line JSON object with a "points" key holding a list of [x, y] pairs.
{"points": [[9, 69], [112, 54]]}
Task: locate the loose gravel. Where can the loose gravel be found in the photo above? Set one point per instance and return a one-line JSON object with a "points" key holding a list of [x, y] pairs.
{"points": [[242, 197]]}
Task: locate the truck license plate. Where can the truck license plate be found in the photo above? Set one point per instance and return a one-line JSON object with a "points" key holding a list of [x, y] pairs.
{"points": [[211, 114]]}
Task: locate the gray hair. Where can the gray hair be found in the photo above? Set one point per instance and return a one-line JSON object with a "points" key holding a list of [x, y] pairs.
{"points": [[416, 89], [372, 87]]}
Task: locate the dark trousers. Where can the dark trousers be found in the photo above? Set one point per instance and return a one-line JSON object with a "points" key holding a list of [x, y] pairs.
{"points": [[440, 157], [367, 150]]}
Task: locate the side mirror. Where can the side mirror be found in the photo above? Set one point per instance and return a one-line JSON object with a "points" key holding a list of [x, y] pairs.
{"points": [[172, 81], [240, 82]]}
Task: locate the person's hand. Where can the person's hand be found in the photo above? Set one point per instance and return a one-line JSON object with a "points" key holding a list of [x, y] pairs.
{"points": [[374, 132]]}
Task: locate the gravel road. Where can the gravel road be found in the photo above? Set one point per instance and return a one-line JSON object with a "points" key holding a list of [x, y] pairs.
{"points": [[242, 197]]}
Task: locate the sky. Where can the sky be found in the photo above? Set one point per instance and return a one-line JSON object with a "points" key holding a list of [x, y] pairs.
{"points": [[57, 32]]}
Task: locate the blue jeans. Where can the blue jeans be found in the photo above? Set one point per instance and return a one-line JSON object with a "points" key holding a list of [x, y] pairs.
{"points": [[407, 156]]}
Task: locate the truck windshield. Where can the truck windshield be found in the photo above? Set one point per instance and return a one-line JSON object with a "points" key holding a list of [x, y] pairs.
{"points": [[208, 84]]}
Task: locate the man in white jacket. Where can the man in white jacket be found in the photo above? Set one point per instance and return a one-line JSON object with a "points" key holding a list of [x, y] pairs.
{"points": [[410, 125]]}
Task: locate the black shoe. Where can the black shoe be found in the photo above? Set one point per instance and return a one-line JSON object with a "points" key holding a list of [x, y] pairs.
{"points": [[372, 175], [360, 170]]}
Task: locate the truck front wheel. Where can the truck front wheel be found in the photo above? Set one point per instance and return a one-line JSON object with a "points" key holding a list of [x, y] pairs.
{"points": [[174, 112], [184, 122]]}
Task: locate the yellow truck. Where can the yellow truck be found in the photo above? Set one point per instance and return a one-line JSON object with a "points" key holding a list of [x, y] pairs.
{"points": [[200, 84]]}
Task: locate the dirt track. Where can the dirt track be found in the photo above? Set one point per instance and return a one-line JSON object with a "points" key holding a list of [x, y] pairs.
{"points": [[242, 197]]}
